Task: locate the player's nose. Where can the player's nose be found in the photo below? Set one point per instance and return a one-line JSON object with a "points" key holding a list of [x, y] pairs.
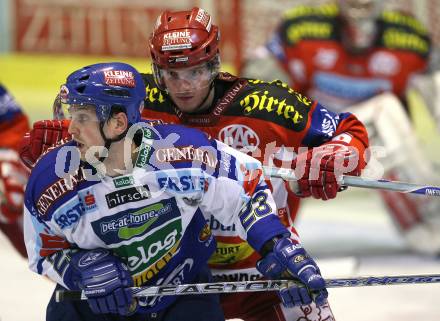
{"points": [[73, 129], [184, 85]]}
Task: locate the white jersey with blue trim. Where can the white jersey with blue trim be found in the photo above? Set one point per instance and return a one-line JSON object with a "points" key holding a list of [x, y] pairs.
{"points": [[155, 217]]}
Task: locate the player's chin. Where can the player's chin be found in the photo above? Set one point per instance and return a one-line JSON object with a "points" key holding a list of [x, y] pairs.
{"points": [[187, 104]]}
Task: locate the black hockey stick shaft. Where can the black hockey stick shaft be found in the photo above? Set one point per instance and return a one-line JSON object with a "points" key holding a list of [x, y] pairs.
{"points": [[257, 286]]}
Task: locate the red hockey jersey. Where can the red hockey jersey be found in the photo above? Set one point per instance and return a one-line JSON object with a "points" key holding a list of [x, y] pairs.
{"points": [[269, 121], [308, 45], [13, 123]]}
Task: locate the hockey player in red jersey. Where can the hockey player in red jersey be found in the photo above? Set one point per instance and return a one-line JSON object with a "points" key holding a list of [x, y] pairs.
{"points": [[360, 51], [268, 120], [13, 176], [353, 55]]}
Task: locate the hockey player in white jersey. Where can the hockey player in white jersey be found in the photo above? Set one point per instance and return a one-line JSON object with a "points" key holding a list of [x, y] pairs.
{"points": [[126, 204]]}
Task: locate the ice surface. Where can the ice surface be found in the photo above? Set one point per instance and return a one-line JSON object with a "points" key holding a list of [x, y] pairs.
{"points": [[349, 236]]}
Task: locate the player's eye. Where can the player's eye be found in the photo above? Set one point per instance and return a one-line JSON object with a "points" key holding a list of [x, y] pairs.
{"points": [[173, 74], [81, 118], [197, 72]]}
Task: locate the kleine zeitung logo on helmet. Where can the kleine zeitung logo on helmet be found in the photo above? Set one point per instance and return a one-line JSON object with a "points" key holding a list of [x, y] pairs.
{"points": [[177, 34], [204, 18], [122, 78], [176, 40]]}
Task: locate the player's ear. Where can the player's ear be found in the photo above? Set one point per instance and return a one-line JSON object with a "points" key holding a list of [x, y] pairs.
{"points": [[119, 122]]}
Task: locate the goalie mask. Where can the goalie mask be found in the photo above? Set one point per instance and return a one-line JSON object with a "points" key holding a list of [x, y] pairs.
{"points": [[360, 28]]}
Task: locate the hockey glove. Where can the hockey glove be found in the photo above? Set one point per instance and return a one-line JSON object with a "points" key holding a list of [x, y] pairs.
{"points": [[293, 259], [45, 134], [13, 178], [104, 279], [320, 170]]}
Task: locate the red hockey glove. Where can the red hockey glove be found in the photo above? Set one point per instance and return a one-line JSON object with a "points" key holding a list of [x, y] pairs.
{"points": [[319, 170], [45, 134], [13, 178]]}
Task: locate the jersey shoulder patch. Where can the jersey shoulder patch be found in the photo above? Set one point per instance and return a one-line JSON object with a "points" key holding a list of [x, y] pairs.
{"points": [[181, 147], [273, 102], [402, 31], [54, 180], [309, 23]]}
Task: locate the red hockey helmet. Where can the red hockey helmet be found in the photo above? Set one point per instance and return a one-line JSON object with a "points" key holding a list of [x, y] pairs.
{"points": [[183, 39]]}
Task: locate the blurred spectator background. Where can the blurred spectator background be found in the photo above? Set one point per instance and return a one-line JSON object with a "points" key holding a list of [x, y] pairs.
{"points": [[41, 41]]}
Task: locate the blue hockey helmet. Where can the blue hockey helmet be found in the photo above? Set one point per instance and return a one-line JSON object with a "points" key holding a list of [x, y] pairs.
{"points": [[105, 85]]}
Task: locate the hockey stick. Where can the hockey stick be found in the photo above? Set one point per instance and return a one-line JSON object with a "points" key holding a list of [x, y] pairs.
{"points": [[355, 181], [256, 286]]}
